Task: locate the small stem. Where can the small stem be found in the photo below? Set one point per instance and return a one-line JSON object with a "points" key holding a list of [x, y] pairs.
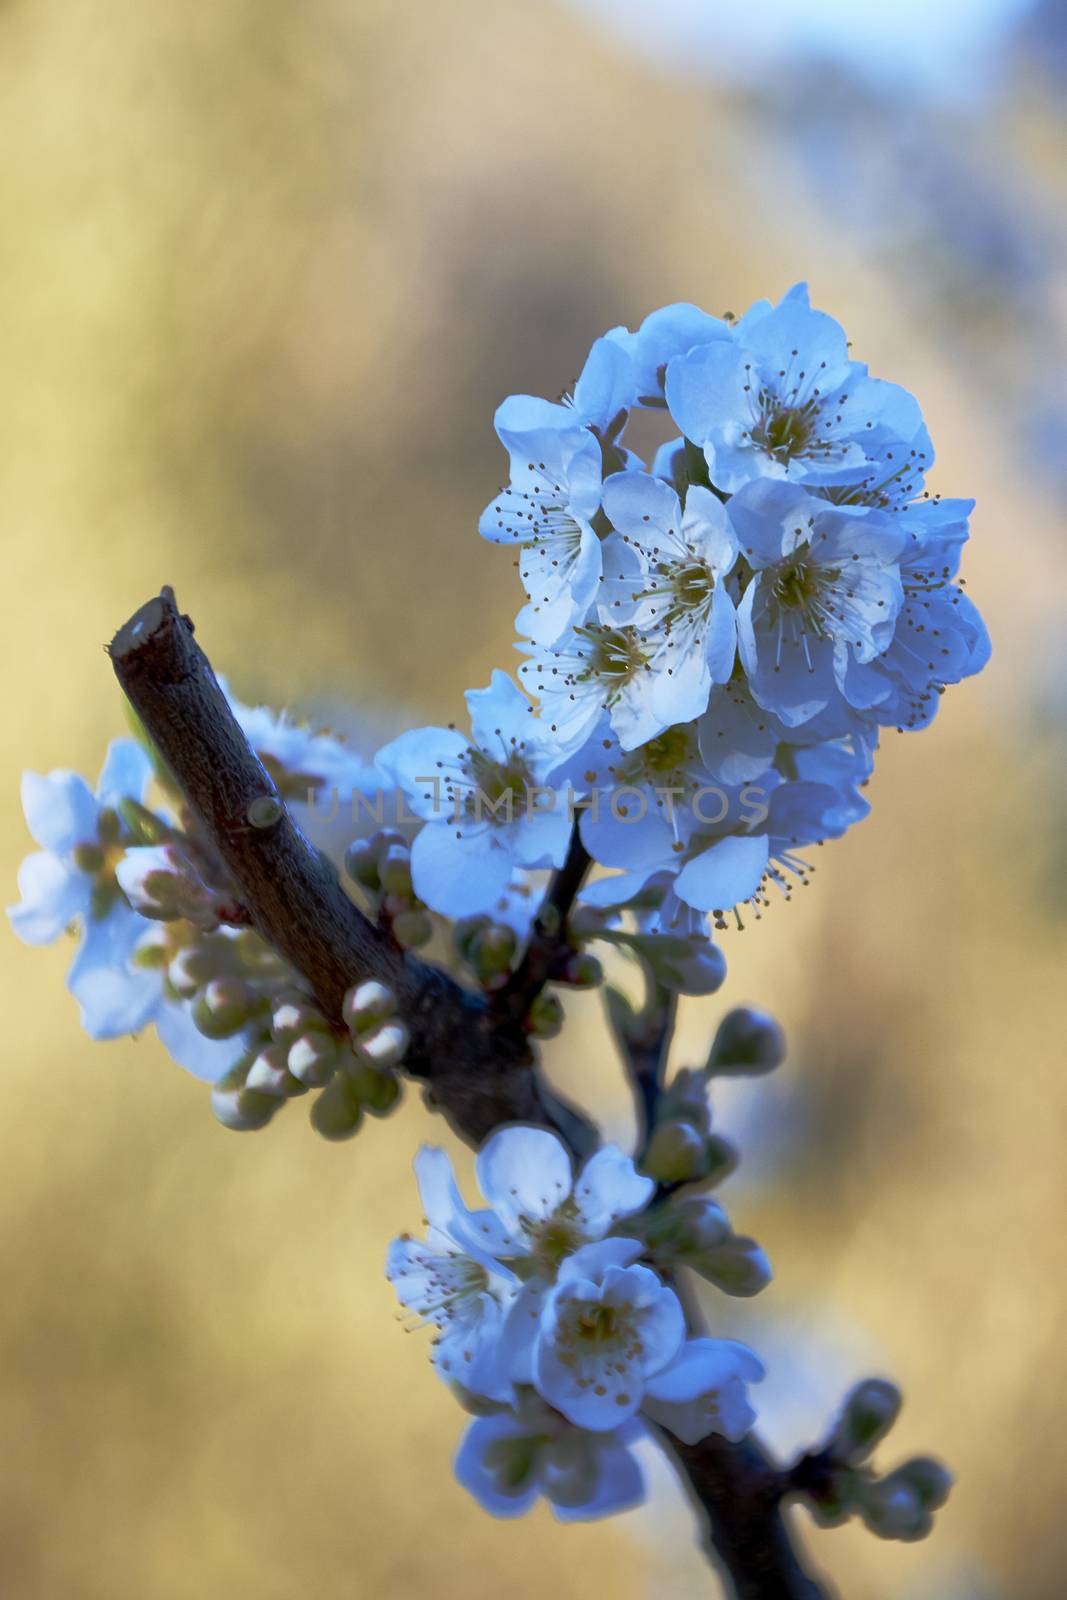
{"points": [[645, 1048], [549, 944]]}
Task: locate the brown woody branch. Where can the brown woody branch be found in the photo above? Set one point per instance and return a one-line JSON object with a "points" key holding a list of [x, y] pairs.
{"points": [[475, 1059]]}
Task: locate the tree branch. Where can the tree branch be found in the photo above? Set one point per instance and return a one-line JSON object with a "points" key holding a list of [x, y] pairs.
{"points": [[475, 1059], [479, 1069], [736, 1491]]}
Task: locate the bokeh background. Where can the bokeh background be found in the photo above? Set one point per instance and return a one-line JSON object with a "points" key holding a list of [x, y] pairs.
{"points": [[266, 270]]}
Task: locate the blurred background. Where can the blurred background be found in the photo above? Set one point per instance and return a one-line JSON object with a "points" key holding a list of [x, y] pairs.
{"points": [[266, 272]]}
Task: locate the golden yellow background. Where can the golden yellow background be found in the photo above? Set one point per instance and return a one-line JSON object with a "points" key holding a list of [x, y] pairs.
{"points": [[266, 271]]}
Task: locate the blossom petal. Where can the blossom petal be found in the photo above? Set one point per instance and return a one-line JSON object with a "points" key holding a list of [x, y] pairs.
{"points": [[608, 1187], [53, 894], [524, 1173], [620, 1485], [725, 875], [60, 810], [206, 1059], [115, 998], [126, 773], [494, 1490], [458, 876]]}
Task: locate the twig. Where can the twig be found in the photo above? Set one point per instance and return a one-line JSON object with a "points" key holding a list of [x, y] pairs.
{"points": [[549, 945]]}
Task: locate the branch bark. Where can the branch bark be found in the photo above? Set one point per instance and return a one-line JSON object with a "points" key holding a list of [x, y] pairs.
{"points": [[475, 1059], [737, 1492], [478, 1068]]}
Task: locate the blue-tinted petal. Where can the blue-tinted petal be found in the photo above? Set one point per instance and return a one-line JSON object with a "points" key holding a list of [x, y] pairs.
{"points": [[60, 810], [725, 875], [53, 894]]}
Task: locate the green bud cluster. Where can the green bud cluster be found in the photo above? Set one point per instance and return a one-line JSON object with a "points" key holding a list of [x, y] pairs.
{"points": [[357, 1073], [381, 866], [694, 1231], [899, 1505]]}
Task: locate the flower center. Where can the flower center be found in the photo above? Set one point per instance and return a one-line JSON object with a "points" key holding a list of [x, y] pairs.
{"points": [[598, 1324], [496, 786], [615, 653], [784, 431], [554, 1239], [668, 755]]}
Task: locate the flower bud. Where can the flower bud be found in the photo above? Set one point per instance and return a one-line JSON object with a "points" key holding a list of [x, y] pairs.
{"points": [[376, 1091], [224, 1008], [686, 1100], [893, 1509], [293, 1018], [239, 1108], [366, 1005], [545, 1017], [683, 1228], [394, 870], [387, 1046], [675, 1153], [585, 922], [492, 951], [721, 1157], [737, 1266], [699, 1224], [747, 1042], [313, 1058], [931, 1480], [191, 968], [412, 929], [269, 1073], [161, 882], [464, 932], [361, 865], [867, 1415], [336, 1113], [582, 971]]}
